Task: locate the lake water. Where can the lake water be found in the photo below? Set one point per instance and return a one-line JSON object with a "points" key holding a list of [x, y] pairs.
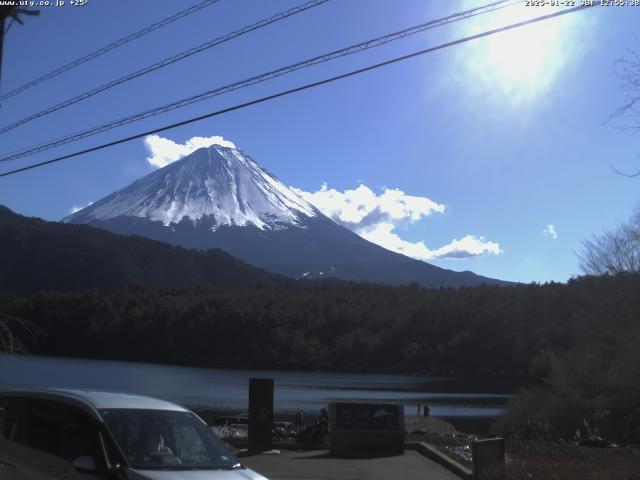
{"points": [[228, 389]]}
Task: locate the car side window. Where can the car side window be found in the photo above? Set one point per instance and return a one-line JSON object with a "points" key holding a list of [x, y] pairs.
{"points": [[4, 421], [10, 419], [113, 454], [52, 427], [80, 435], [43, 425], [81, 438]]}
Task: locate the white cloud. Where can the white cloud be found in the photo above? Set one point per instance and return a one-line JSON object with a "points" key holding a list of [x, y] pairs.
{"points": [[164, 151], [77, 208], [361, 209], [375, 217], [468, 246], [550, 231]]}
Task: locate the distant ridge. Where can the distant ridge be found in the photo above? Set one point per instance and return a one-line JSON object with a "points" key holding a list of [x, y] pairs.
{"points": [[40, 255]]}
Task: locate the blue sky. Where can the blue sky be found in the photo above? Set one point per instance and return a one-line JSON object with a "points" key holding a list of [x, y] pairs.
{"points": [[492, 141]]}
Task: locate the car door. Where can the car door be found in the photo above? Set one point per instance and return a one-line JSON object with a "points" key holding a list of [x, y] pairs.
{"points": [[8, 425], [42, 438], [31, 438], [80, 438]]}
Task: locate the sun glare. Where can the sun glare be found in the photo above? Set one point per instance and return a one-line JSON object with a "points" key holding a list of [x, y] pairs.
{"points": [[524, 62]]}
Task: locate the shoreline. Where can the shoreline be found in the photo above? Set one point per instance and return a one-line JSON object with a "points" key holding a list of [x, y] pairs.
{"points": [[479, 426], [435, 374]]}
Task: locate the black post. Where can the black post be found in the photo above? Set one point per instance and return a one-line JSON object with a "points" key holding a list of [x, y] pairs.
{"points": [[260, 414]]}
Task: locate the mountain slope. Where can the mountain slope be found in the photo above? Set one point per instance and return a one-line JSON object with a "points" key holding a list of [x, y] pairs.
{"points": [[219, 197], [40, 255]]}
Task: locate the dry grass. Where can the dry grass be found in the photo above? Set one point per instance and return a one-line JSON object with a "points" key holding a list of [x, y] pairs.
{"points": [[531, 460], [547, 460]]}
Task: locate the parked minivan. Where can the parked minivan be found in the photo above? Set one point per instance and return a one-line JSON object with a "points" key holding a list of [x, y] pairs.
{"points": [[70, 434]]}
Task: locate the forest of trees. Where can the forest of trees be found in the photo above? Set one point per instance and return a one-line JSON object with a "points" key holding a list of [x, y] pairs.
{"points": [[347, 327]]}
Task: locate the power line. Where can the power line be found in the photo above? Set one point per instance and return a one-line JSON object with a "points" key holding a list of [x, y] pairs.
{"points": [[376, 42], [301, 88], [118, 43], [167, 61]]}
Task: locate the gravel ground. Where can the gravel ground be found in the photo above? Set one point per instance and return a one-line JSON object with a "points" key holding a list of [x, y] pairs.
{"points": [[535, 460], [442, 435], [532, 460], [319, 465]]}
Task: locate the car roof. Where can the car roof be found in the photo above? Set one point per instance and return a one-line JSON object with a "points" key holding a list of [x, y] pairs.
{"points": [[96, 400]]}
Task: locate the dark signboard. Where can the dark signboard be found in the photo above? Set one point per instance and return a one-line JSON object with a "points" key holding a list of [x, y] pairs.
{"points": [[366, 429], [367, 416], [488, 458]]}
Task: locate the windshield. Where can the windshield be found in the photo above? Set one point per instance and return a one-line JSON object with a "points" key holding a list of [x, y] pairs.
{"points": [[166, 440]]}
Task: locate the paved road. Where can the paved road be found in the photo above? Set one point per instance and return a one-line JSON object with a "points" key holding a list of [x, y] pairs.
{"points": [[317, 465]]}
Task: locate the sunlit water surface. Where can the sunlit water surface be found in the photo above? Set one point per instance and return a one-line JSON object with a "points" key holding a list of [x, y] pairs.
{"points": [[228, 389]]}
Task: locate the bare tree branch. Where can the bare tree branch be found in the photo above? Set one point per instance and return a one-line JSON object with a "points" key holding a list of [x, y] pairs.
{"points": [[625, 174], [628, 71], [8, 341], [613, 251]]}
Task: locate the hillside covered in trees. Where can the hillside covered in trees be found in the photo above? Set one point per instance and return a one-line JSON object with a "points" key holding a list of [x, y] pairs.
{"points": [[39, 255], [348, 327]]}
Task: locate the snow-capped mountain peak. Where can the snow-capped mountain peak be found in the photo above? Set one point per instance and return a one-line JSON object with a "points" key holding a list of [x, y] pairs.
{"points": [[218, 197], [220, 184]]}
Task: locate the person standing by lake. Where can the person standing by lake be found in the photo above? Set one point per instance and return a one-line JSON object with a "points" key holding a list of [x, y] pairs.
{"points": [[418, 414], [426, 409], [299, 421], [324, 415], [324, 420]]}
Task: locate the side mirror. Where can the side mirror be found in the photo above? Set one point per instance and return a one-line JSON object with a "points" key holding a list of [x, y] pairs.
{"points": [[117, 472], [85, 464]]}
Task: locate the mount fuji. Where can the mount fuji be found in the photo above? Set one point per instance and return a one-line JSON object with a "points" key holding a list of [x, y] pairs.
{"points": [[219, 197]]}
